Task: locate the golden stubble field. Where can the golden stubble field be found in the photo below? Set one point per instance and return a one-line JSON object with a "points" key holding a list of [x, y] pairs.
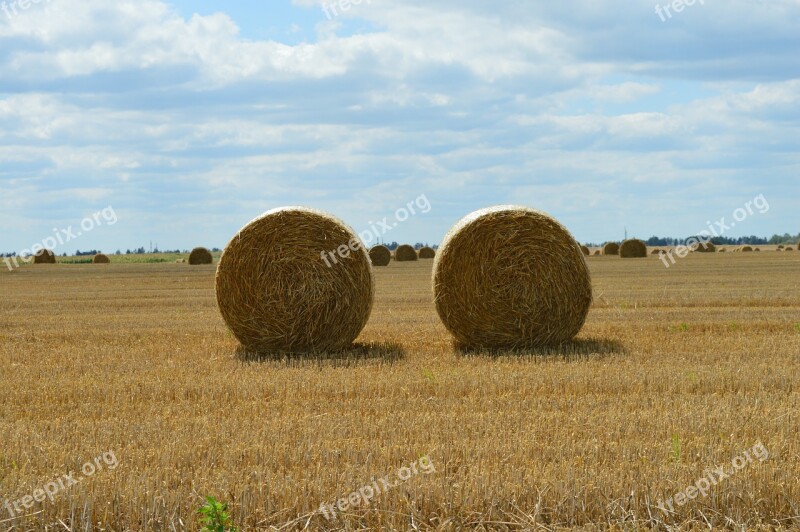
{"points": [[678, 371]]}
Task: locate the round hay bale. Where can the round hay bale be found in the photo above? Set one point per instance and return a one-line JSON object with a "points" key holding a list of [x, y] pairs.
{"points": [[746, 249], [101, 259], [295, 280], [655, 251], [611, 248], [405, 253], [44, 256], [510, 277], [722, 250], [704, 247], [585, 251], [596, 252], [200, 256], [788, 249], [380, 255], [633, 249], [427, 253], [780, 246]]}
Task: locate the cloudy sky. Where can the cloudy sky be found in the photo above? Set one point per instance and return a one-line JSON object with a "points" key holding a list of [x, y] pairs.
{"points": [[190, 118]]}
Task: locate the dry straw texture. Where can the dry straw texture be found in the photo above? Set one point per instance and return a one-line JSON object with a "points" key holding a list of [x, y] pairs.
{"points": [[380, 255], [153, 378], [586, 251], [632, 249], [405, 253], [101, 259], [612, 248], [277, 294], [746, 249], [704, 247], [511, 277], [200, 256], [427, 253], [44, 256]]}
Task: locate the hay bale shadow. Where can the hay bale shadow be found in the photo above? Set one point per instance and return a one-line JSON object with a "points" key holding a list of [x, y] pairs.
{"points": [[356, 353], [576, 349]]}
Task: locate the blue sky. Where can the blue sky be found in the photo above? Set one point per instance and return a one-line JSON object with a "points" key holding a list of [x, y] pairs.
{"points": [[191, 118]]}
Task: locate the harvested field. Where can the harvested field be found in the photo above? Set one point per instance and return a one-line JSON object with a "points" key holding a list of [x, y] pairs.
{"points": [[677, 370]]}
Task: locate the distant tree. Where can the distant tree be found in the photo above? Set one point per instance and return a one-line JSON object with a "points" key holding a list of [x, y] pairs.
{"points": [[656, 241]]}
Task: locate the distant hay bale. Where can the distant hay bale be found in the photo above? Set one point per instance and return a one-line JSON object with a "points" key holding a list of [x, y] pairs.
{"points": [[655, 251], [596, 252], [788, 249], [704, 247], [295, 280], [44, 256], [612, 248], [101, 259], [511, 277], [746, 249], [405, 253], [633, 249], [722, 250], [427, 253], [200, 256], [757, 249], [780, 246], [380, 255], [586, 251]]}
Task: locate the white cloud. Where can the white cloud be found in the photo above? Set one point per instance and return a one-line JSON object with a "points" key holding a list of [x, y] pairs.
{"points": [[132, 102]]}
